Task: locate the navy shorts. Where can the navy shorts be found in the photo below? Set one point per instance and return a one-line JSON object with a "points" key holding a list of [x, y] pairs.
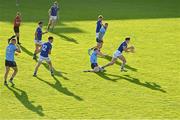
{"points": [[10, 63], [93, 65]]}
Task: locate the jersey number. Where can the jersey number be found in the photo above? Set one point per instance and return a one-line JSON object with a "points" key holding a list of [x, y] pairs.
{"points": [[44, 47]]}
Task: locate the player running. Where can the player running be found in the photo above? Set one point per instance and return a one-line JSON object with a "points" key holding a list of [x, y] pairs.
{"points": [[99, 39], [53, 16], [99, 25], [38, 39], [44, 55], [93, 59], [118, 54], [9, 61], [17, 23]]}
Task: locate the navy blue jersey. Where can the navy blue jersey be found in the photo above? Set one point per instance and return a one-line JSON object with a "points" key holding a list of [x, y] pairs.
{"points": [[122, 46], [46, 47], [99, 25], [39, 33], [54, 10]]}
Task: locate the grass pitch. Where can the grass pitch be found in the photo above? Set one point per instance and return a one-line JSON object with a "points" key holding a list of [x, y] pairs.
{"points": [[150, 88]]}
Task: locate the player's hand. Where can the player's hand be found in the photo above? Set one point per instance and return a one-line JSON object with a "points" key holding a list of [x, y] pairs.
{"points": [[132, 48], [46, 32]]}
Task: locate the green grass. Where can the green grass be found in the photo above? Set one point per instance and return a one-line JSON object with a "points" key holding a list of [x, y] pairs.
{"points": [[150, 88]]}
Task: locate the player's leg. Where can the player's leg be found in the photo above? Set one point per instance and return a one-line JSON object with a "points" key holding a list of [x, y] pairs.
{"points": [[50, 23], [53, 23], [37, 66], [36, 51], [50, 66], [17, 34], [110, 63], [7, 69], [122, 58], [88, 71], [97, 40], [100, 44], [13, 75], [94, 69]]}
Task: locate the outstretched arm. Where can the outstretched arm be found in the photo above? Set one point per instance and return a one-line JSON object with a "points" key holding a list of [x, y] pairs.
{"points": [[101, 54]]}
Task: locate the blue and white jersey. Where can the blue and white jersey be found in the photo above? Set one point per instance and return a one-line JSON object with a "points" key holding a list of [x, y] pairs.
{"points": [[122, 46], [98, 26], [54, 10], [102, 33], [93, 57], [46, 47], [39, 34], [10, 50]]}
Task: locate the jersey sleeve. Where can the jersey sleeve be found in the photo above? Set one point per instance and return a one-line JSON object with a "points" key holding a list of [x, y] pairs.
{"points": [[124, 45], [14, 48]]}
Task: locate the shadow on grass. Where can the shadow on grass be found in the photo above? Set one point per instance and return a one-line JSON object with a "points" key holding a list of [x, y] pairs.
{"points": [[150, 85], [58, 86], [109, 58], [26, 51], [69, 39], [61, 30], [56, 72], [23, 98]]}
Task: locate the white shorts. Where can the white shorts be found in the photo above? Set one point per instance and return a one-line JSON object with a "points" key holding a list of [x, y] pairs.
{"points": [[54, 18], [97, 35], [117, 54], [39, 42], [41, 58]]}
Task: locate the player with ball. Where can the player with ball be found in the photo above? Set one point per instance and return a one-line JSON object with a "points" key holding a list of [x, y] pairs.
{"points": [[118, 54]]}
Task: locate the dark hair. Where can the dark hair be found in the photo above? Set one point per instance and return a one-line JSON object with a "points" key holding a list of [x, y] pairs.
{"points": [[95, 49], [12, 37], [40, 23], [106, 23], [50, 38], [100, 16], [127, 38]]}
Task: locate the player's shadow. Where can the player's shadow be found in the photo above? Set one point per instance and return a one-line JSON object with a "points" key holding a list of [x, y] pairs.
{"points": [[60, 31], [69, 39], [26, 51], [149, 85], [58, 86], [56, 72], [109, 58], [66, 38], [23, 98], [106, 76]]}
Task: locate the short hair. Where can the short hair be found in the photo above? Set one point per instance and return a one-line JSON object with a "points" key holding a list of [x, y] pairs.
{"points": [[95, 49], [13, 39], [55, 2], [40, 22], [106, 24], [18, 13], [127, 38], [50, 38], [100, 16]]}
